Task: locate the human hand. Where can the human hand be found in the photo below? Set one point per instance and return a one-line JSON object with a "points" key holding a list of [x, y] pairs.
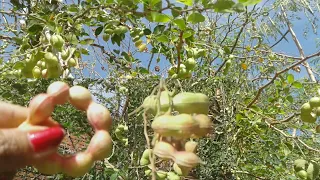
{"points": [[18, 147]]}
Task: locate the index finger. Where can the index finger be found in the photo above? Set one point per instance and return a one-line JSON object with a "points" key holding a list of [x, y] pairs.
{"points": [[12, 115]]}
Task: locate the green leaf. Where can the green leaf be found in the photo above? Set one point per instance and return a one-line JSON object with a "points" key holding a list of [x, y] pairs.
{"points": [[154, 2], [249, 2], [180, 23], [176, 11], [290, 78], [114, 176], [159, 29], [143, 70], [34, 29], [161, 18], [73, 8], [290, 99], [87, 41], [187, 34], [195, 18], [186, 2], [98, 31], [222, 5], [162, 38], [297, 84], [19, 65], [84, 51]]}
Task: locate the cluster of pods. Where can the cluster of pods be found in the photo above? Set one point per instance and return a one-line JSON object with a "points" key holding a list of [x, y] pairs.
{"points": [[175, 130], [99, 117]]}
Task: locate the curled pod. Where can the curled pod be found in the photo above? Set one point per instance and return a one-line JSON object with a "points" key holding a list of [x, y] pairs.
{"points": [[49, 166], [99, 117], [205, 125], [40, 108], [60, 91], [189, 103], [181, 170], [77, 165], [100, 146], [186, 159], [180, 126], [80, 97], [164, 150], [191, 146]]}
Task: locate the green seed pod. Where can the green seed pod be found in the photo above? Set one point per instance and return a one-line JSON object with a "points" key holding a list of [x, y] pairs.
{"points": [[36, 71], [106, 37], [314, 102], [190, 63], [144, 161], [65, 54], [313, 170], [57, 41], [306, 108], [190, 103], [302, 174], [308, 118], [300, 164], [72, 62]]}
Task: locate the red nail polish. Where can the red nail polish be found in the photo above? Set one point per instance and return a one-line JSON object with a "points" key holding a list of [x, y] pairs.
{"points": [[48, 138]]}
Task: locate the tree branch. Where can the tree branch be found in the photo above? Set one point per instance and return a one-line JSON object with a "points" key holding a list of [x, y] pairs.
{"points": [[277, 74]]}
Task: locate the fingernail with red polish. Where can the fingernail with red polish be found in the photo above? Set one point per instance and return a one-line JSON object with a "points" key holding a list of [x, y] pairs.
{"points": [[48, 138]]}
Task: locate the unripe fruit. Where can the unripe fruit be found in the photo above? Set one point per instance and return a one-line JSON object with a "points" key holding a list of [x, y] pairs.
{"points": [[300, 164], [308, 118], [189, 103], [106, 37], [138, 43], [44, 73], [43, 65], [144, 161], [108, 31], [306, 108], [146, 153], [190, 63], [36, 72], [313, 170], [57, 41], [302, 174], [72, 62], [148, 172], [161, 175], [61, 89], [65, 54], [142, 47], [314, 102], [80, 97], [51, 59]]}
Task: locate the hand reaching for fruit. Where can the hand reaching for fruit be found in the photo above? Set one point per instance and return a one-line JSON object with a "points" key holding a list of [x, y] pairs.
{"points": [[37, 118], [21, 147]]}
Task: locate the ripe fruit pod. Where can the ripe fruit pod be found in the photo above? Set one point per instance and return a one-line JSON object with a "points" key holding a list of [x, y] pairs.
{"points": [[80, 97], [41, 107], [60, 90], [186, 159], [77, 165], [51, 165], [191, 146], [189, 103], [164, 150], [99, 116], [205, 125], [100, 146], [180, 126], [181, 170]]}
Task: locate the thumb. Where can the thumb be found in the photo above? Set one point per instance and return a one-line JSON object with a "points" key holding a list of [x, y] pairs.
{"points": [[19, 148]]}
